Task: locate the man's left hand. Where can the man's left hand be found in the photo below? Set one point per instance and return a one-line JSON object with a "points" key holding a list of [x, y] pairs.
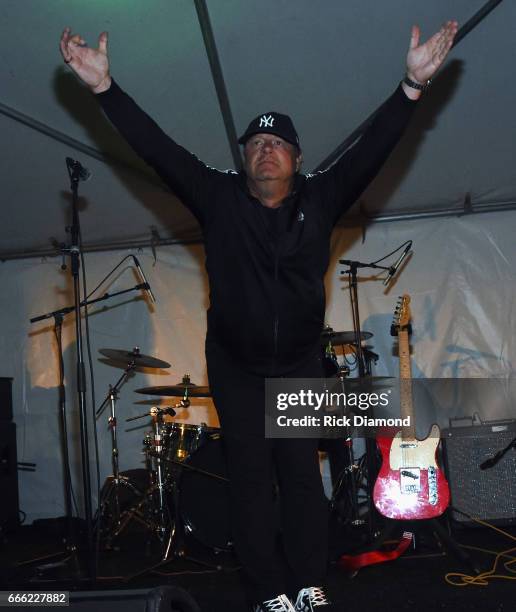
{"points": [[423, 60]]}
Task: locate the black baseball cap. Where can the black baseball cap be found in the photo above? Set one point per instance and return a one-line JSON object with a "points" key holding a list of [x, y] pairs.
{"points": [[271, 123]]}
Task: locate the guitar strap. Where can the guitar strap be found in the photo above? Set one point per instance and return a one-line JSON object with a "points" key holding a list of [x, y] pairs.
{"points": [[356, 562]]}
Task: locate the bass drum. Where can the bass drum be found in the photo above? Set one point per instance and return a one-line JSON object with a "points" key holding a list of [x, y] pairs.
{"points": [[204, 499]]}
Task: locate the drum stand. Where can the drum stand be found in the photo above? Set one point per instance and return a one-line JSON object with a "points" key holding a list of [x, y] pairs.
{"points": [[174, 547], [346, 481], [111, 498], [153, 508]]}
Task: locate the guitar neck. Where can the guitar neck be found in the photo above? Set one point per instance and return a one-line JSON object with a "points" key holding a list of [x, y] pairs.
{"points": [[407, 410]]}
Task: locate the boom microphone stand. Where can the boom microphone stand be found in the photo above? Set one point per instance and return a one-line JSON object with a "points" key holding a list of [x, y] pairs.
{"points": [[71, 547], [77, 173], [364, 370]]}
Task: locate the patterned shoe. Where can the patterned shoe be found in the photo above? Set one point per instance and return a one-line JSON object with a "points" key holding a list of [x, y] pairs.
{"points": [[281, 603], [311, 598]]}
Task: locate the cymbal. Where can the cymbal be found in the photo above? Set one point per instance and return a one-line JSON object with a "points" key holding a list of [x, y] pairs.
{"points": [[342, 337], [134, 356], [185, 387], [369, 384]]}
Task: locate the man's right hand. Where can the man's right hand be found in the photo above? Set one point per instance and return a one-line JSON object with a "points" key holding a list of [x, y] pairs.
{"points": [[90, 65]]}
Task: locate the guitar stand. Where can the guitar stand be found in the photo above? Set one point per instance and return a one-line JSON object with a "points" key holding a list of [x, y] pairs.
{"points": [[439, 532]]}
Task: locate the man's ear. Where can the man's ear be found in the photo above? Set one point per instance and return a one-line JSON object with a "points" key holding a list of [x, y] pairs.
{"points": [[299, 161]]}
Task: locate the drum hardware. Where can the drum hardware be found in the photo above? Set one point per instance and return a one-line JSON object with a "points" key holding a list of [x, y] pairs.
{"points": [[175, 546], [110, 502], [158, 509], [155, 496], [169, 448], [168, 480], [346, 480], [191, 468], [347, 340], [166, 499]]}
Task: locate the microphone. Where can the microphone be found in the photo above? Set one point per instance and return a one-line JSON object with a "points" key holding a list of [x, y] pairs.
{"points": [[394, 268], [76, 167], [144, 279], [491, 462]]}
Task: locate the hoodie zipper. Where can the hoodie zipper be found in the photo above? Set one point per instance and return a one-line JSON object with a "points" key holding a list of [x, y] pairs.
{"points": [[275, 330], [276, 314]]}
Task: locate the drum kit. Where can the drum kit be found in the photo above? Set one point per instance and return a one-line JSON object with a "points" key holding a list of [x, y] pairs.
{"points": [[184, 490]]}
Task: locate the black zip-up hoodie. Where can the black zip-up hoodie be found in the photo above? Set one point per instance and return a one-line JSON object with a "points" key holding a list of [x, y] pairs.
{"points": [[265, 266]]}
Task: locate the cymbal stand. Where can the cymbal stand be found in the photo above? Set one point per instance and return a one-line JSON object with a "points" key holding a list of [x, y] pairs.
{"points": [[174, 547], [113, 492], [158, 520], [163, 511], [346, 482]]}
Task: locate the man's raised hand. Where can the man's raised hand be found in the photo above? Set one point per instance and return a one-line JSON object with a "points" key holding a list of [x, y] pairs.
{"points": [[90, 65], [423, 60]]}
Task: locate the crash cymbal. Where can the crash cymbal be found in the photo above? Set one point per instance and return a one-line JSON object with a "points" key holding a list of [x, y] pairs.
{"points": [[134, 356], [185, 387], [342, 337]]}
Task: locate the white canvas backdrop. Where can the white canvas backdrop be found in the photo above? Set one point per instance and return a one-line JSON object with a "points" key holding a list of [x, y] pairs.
{"points": [[461, 279]]}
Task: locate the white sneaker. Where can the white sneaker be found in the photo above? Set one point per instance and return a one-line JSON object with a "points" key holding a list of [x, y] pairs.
{"points": [[281, 603], [310, 598]]}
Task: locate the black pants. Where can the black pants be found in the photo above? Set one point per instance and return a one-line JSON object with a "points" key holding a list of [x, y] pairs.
{"points": [[239, 398]]}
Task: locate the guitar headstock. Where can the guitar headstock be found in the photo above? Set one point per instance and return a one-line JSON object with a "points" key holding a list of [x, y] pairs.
{"points": [[402, 315]]}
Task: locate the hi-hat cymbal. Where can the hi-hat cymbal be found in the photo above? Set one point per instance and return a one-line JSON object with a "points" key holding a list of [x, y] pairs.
{"points": [[134, 356], [342, 337], [185, 387], [367, 383]]}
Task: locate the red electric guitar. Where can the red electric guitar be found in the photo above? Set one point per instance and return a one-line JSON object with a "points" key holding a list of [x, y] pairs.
{"points": [[410, 484]]}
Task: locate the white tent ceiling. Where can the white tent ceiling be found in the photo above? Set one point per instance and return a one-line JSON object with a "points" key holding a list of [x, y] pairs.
{"points": [[328, 64]]}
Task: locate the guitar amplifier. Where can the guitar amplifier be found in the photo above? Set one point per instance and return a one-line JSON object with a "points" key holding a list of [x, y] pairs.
{"points": [[489, 494], [9, 511], [6, 399]]}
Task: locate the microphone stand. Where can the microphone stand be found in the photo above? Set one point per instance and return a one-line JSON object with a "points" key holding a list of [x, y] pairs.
{"points": [[67, 309], [353, 296], [71, 542], [74, 173], [364, 369]]}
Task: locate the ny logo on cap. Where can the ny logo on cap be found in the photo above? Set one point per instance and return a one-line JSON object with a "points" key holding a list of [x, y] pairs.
{"points": [[266, 121]]}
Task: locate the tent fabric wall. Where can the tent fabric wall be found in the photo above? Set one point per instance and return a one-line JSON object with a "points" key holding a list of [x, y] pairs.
{"points": [[328, 65], [461, 279]]}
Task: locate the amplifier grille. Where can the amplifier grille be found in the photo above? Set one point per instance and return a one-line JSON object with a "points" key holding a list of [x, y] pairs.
{"points": [[485, 494]]}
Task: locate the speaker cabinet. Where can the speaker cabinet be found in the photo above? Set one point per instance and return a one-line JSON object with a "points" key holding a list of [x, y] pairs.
{"points": [[159, 599], [6, 399], [488, 494], [9, 509]]}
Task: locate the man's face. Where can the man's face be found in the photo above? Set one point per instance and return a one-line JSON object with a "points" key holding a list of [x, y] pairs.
{"points": [[268, 157]]}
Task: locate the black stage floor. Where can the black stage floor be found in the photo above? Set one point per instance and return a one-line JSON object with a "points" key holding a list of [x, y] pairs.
{"points": [[415, 581]]}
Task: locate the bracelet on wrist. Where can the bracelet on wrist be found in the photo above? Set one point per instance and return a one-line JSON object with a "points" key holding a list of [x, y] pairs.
{"points": [[419, 86]]}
